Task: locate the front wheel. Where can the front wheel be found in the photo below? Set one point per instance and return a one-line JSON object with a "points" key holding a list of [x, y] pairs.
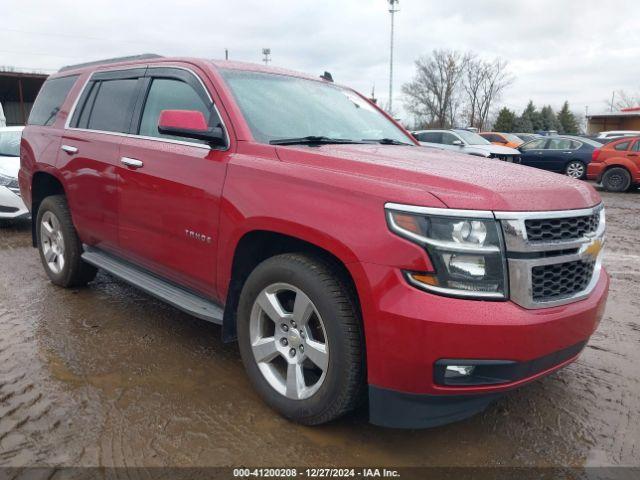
{"points": [[616, 179], [301, 339], [576, 169]]}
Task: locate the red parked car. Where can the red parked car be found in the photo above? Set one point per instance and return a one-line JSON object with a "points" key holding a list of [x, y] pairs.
{"points": [[347, 261], [616, 165]]}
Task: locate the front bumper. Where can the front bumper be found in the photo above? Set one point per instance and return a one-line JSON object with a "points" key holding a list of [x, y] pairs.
{"points": [[11, 205], [409, 330]]}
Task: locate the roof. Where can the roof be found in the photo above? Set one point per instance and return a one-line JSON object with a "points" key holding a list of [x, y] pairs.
{"points": [[150, 57], [627, 112]]}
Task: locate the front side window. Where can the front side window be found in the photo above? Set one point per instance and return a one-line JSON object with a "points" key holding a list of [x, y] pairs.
{"points": [[10, 143], [636, 146], [449, 138], [170, 94], [113, 105], [431, 137], [534, 145], [50, 99], [280, 107]]}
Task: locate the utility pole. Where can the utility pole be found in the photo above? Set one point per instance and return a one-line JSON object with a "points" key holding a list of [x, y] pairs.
{"points": [[393, 8], [613, 96], [226, 54], [267, 53]]}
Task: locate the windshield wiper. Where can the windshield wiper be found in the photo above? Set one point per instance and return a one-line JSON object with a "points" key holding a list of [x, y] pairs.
{"points": [[387, 141], [311, 140]]}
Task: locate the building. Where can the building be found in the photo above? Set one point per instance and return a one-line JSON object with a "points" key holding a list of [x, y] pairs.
{"points": [[624, 119], [18, 91]]}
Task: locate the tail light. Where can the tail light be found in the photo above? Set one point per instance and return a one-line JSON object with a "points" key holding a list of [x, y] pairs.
{"points": [[595, 155]]}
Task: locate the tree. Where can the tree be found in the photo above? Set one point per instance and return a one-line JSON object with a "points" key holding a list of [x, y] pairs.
{"points": [[431, 95], [483, 84], [549, 119], [505, 121], [532, 118], [567, 120], [623, 99]]}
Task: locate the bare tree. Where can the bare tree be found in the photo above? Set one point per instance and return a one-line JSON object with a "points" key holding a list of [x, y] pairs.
{"points": [[623, 99], [431, 95], [484, 84]]}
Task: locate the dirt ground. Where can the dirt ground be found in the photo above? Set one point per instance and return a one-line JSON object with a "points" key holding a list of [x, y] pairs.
{"points": [[109, 376]]}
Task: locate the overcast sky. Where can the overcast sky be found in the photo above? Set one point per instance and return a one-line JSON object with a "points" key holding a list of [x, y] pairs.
{"points": [[578, 50]]}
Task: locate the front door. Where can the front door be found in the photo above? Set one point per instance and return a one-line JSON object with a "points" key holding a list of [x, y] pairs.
{"points": [[532, 153], [170, 188]]}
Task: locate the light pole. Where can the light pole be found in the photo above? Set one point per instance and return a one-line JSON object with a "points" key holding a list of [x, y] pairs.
{"points": [[267, 53], [393, 8]]}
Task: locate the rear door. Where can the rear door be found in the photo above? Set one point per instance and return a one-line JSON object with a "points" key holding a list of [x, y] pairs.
{"points": [[90, 148], [169, 204]]}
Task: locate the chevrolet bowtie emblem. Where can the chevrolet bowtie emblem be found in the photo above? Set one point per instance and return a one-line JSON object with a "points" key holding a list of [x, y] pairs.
{"points": [[594, 249]]}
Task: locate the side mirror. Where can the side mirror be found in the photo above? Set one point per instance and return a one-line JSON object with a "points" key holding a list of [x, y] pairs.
{"points": [[457, 143], [190, 124]]}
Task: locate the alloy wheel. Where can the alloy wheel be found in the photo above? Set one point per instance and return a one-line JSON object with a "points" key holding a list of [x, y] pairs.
{"points": [[52, 242], [289, 341], [575, 170]]}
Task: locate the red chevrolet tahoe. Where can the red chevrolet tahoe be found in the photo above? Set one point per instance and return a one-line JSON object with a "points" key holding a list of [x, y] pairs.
{"points": [[348, 262]]}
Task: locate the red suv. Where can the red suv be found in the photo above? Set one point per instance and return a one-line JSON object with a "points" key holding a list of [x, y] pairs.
{"points": [[346, 260], [616, 165]]}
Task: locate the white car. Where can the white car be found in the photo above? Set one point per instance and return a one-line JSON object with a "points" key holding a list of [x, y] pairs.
{"points": [[11, 204], [464, 141], [613, 134]]}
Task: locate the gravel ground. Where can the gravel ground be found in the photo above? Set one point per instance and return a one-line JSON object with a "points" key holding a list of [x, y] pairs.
{"points": [[109, 376]]}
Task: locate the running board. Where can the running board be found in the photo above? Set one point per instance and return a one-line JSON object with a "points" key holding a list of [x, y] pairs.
{"points": [[173, 295]]}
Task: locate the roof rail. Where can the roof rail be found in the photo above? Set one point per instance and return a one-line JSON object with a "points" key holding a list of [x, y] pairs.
{"points": [[144, 56]]}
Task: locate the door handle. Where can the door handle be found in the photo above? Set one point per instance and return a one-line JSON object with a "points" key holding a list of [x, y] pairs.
{"points": [[569, 153], [131, 162], [71, 150]]}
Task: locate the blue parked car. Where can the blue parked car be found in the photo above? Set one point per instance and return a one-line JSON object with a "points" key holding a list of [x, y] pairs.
{"points": [[563, 153]]}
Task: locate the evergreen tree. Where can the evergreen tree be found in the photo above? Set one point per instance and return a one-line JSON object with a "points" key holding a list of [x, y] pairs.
{"points": [[531, 118], [523, 125], [549, 119], [567, 120], [505, 121]]}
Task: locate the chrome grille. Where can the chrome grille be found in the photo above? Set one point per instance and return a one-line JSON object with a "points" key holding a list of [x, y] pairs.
{"points": [[554, 258], [556, 229], [560, 280]]}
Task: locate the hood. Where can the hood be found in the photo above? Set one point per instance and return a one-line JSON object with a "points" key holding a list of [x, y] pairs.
{"points": [[457, 180], [10, 166], [497, 149]]}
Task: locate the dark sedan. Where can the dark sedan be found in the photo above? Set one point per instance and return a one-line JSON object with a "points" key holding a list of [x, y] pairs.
{"points": [[565, 154]]}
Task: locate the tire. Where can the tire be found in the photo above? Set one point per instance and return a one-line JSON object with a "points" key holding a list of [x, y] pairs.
{"points": [[576, 169], [616, 179], [322, 395], [59, 246]]}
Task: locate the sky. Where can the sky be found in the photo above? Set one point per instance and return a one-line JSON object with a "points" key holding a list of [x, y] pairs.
{"points": [[575, 50]]}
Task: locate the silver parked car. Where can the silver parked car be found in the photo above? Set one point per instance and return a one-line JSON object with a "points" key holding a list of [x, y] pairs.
{"points": [[467, 142]]}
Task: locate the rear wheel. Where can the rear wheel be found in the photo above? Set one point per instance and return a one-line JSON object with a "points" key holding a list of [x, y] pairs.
{"points": [[301, 339], [59, 245], [616, 179], [576, 169]]}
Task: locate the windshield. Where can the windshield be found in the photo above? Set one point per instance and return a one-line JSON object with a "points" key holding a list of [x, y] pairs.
{"points": [[511, 137], [278, 107], [471, 138], [588, 141], [10, 143]]}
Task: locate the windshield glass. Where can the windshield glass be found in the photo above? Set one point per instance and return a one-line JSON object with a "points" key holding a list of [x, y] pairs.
{"points": [[280, 107], [512, 138], [471, 138], [10, 143], [588, 141]]}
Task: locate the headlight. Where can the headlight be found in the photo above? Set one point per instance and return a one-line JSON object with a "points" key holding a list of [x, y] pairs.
{"points": [[6, 181], [465, 248]]}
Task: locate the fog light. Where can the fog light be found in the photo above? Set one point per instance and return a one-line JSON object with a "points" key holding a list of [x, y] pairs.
{"points": [[457, 371]]}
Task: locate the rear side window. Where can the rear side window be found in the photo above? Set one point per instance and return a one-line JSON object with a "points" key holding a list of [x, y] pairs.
{"points": [[113, 105], [622, 146], [559, 144], [636, 146], [51, 97]]}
